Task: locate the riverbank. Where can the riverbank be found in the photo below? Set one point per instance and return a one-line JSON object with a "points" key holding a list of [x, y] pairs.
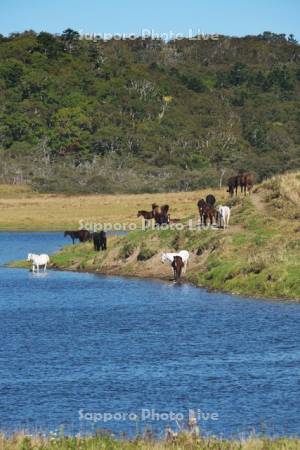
{"points": [[258, 255], [182, 442]]}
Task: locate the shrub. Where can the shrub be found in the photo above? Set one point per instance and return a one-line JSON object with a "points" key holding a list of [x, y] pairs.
{"points": [[127, 250], [145, 253]]}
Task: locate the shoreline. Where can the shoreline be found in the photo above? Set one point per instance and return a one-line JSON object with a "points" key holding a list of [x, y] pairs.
{"points": [[163, 280], [183, 281]]}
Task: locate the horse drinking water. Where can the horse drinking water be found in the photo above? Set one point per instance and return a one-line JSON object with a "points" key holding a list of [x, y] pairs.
{"points": [[38, 260], [175, 262]]}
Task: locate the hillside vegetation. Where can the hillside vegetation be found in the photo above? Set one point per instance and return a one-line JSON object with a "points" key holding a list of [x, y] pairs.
{"points": [[144, 115], [258, 255]]}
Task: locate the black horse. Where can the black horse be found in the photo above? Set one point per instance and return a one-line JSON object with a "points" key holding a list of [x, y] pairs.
{"points": [[100, 241], [81, 235]]}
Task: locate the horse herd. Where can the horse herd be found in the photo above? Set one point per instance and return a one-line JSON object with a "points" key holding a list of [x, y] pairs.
{"points": [[244, 180], [208, 211], [217, 215]]}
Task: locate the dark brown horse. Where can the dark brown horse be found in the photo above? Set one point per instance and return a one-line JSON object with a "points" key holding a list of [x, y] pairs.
{"points": [[177, 265], [147, 215], [81, 235], [210, 199], [233, 183], [245, 180], [206, 211], [161, 216], [201, 205]]}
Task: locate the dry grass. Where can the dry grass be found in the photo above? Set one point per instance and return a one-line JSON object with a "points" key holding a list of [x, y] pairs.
{"points": [[21, 209], [282, 192]]}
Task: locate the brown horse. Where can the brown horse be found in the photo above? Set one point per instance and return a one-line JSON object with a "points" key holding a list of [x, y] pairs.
{"points": [[201, 205], [206, 211], [147, 215], [177, 265], [161, 216], [246, 182], [81, 235]]}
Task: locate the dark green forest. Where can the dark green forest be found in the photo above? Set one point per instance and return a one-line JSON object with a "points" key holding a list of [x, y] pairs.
{"points": [[79, 115]]}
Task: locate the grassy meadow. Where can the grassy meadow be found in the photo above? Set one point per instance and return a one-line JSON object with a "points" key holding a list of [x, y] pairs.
{"points": [[21, 209], [258, 255]]}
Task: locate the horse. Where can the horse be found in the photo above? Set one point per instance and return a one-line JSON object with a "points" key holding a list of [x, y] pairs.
{"points": [[233, 183], [206, 211], [210, 199], [81, 235], [100, 241], [38, 260], [246, 182], [177, 265], [169, 257], [201, 205], [147, 215], [223, 213], [161, 217]]}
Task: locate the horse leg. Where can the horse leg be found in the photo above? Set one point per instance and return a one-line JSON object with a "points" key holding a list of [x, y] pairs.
{"points": [[179, 273], [174, 271], [45, 267]]}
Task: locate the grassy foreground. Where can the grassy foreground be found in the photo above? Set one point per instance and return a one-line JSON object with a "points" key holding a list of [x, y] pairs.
{"points": [[182, 442], [259, 255]]}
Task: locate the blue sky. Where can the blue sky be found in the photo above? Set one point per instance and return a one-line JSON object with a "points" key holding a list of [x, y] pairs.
{"points": [[230, 17]]}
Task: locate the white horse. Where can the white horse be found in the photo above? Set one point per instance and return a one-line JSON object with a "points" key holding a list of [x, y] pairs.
{"points": [[38, 260], [169, 257], [224, 215]]}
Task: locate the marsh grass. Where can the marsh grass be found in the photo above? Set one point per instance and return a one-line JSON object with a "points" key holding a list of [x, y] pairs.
{"points": [[182, 442]]}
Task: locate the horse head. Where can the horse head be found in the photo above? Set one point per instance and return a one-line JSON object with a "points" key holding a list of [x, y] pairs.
{"points": [[29, 257]]}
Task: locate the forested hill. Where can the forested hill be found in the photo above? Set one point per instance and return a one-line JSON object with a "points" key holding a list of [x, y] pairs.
{"points": [[145, 115]]}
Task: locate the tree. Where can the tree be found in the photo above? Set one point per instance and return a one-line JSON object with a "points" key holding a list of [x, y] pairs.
{"points": [[70, 38], [49, 44]]}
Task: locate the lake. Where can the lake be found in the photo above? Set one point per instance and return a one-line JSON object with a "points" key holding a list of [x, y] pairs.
{"points": [[85, 352]]}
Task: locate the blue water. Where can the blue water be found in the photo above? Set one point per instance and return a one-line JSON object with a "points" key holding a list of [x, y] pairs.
{"points": [[74, 345]]}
